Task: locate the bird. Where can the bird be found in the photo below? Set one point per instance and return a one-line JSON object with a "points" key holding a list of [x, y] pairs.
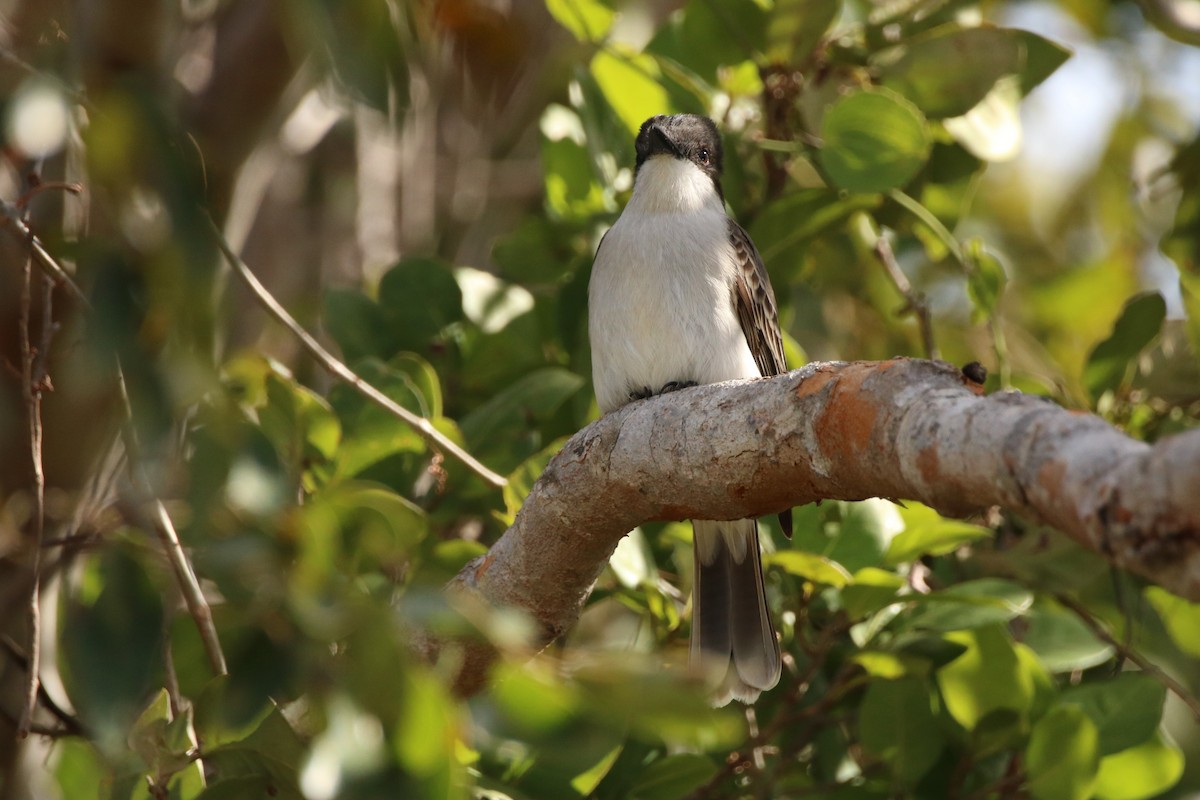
{"points": [[678, 296]]}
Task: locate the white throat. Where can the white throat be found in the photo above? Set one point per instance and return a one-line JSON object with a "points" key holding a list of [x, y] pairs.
{"points": [[667, 185]]}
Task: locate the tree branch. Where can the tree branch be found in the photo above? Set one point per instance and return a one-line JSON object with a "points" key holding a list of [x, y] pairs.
{"points": [[899, 429]]}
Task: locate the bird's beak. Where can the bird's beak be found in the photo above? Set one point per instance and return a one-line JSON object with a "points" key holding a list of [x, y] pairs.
{"points": [[660, 143]]}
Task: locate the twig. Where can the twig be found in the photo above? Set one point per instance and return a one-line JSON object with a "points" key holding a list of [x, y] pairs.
{"points": [[70, 724], [185, 576], [44, 260], [914, 301], [1126, 652], [33, 368], [422, 426]]}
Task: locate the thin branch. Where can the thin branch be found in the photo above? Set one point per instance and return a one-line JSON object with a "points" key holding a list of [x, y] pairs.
{"points": [[1128, 653], [914, 301], [185, 576], [33, 370], [422, 426], [70, 723], [45, 261]]}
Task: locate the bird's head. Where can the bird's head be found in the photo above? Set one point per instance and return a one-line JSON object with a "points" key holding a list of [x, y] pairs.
{"points": [[680, 153]]}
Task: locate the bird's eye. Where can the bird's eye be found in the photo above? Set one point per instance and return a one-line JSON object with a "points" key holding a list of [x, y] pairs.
{"points": [[704, 156]]}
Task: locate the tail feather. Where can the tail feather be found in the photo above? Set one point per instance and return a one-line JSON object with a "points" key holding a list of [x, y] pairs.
{"points": [[731, 626]]}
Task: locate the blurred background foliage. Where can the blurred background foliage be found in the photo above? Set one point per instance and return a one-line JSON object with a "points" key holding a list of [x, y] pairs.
{"points": [[424, 184]]}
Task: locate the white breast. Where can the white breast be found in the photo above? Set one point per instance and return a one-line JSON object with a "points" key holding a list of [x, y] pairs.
{"points": [[660, 300]]}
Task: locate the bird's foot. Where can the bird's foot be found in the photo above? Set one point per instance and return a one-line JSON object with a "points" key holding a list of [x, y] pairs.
{"points": [[675, 386], [641, 394]]}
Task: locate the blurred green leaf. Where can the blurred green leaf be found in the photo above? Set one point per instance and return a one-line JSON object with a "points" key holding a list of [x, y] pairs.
{"points": [[795, 27], [1113, 359], [490, 427], [863, 533], [419, 298], [673, 777], [947, 71], [357, 324], [986, 280], [930, 534], [1141, 772], [970, 605], [871, 590], [1042, 58], [810, 567], [896, 723], [112, 645], [1062, 641], [427, 730], [587, 20], [1125, 710], [521, 480], [1061, 758], [873, 141], [1181, 618], [706, 36], [631, 84], [988, 676]]}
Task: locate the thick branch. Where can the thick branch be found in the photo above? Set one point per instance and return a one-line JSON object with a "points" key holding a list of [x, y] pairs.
{"points": [[901, 429]]}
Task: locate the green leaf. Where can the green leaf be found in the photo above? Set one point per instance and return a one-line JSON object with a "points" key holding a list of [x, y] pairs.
{"points": [[896, 723], [521, 480], [419, 298], [810, 567], [112, 631], [1062, 759], [1042, 58], [299, 422], [989, 675], [1113, 359], [874, 141], [357, 324], [947, 71], [1181, 618], [891, 666], [1140, 772], [491, 427], [930, 534], [587, 20], [426, 731], [673, 777], [871, 590], [631, 84], [1062, 641], [79, 772], [864, 532], [970, 605], [795, 27], [986, 280], [1125, 710]]}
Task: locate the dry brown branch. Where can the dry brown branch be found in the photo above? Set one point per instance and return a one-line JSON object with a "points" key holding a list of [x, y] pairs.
{"points": [[900, 429], [914, 301], [422, 426], [185, 576]]}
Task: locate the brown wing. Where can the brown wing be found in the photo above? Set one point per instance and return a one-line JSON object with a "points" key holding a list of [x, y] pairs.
{"points": [[755, 303]]}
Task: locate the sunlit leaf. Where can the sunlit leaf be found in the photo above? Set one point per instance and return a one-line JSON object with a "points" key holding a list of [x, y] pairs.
{"points": [[988, 676], [1062, 757], [932, 535], [1141, 772], [632, 86], [1181, 618], [810, 567], [587, 20]]}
